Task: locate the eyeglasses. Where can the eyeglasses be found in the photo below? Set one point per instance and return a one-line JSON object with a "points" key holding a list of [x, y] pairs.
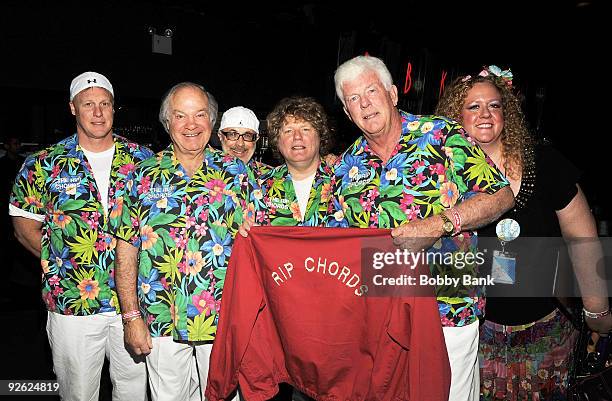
{"points": [[235, 135]]}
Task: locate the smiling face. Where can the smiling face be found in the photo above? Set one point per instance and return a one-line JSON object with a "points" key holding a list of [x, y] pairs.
{"points": [[298, 143], [482, 114], [189, 122], [238, 148], [370, 105], [93, 109]]}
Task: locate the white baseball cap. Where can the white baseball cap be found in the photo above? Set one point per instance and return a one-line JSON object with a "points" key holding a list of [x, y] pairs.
{"points": [[239, 117], [89, 79]]}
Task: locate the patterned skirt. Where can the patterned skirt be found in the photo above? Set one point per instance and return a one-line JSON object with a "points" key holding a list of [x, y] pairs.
{"points": [[528, 362]]}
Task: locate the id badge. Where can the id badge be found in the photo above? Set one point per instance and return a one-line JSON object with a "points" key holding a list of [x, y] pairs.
{"points": [[503, 270]]}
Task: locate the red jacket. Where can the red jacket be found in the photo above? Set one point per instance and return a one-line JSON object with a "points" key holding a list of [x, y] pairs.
{"points": [[288, 316]]}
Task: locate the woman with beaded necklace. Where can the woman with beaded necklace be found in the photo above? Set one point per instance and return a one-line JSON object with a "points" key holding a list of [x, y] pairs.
{"points": [[525, 341]]}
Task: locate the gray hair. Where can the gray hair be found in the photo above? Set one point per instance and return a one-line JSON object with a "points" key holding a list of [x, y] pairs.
{"points": [[356, 66], [164, 110]]}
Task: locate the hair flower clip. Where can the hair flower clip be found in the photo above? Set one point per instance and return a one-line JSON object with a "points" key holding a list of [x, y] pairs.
{"points": [[505, 75]]}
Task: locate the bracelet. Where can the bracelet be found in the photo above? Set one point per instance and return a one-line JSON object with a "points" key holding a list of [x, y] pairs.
{"points": [[456, 220], [130, 314], [126, 321], [595, 315]]}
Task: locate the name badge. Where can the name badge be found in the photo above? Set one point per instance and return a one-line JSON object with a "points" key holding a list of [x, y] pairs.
{"points": [[503, 270]]}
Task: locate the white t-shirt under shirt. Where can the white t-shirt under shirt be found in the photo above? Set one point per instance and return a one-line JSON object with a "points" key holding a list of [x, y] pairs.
{"points": [[100, 163], [302, 192]]}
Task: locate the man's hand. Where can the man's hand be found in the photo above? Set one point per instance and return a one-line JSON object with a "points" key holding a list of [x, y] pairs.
{"points": [[330, 159], [418, 235], [137, 338], [135, 332], [245, 227]]}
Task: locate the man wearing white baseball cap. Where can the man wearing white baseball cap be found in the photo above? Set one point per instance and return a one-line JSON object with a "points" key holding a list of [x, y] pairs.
{"points": [[238, 133], [61, 203], [87, 80]]}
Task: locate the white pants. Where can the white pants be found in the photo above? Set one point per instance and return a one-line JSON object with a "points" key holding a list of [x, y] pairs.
{"points": [[79, 345], [171, 369], [462, 348]]}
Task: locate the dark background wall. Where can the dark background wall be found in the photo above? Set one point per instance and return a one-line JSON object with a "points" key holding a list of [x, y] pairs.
{"points": [[256, 53]]}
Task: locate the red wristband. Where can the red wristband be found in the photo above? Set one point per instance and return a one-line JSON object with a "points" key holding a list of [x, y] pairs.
{"points": [[456, 220]]}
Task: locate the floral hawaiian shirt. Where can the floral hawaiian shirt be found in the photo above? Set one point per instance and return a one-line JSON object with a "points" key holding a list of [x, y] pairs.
{"points": [[281, 202], [184, 228], [434, 166], [258, 169], [77, 255]]}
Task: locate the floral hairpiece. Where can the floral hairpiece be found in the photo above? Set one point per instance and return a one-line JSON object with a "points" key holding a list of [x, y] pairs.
{"points": [[505, 75]]}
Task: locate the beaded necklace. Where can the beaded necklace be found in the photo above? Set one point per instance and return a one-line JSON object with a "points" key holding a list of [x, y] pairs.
{"points": [[528, 179]]}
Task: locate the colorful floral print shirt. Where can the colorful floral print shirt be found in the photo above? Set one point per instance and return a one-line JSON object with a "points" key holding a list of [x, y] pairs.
{"points": [[184, 228], [258, 169], [77, 255], [434, 166], [281, 202]]}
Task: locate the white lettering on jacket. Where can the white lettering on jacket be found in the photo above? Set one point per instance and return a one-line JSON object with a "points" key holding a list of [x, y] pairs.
{"points": [[322, 266]]}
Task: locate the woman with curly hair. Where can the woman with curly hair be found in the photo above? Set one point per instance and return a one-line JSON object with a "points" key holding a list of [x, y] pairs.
{"points": [[525, 341]]}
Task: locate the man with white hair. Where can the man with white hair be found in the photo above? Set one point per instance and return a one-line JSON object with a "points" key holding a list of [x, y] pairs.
{"points": [[422, 177], [61, 203], [181, 211]]}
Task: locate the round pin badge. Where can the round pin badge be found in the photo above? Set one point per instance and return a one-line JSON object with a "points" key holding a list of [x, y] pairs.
{"points": [[508, 230]]}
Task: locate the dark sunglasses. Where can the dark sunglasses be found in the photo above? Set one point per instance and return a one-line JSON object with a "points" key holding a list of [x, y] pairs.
{"points": [[234, 136]]}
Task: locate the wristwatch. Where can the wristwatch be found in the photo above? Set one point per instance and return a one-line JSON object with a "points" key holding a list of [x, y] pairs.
{"points": [[448, 226]]}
